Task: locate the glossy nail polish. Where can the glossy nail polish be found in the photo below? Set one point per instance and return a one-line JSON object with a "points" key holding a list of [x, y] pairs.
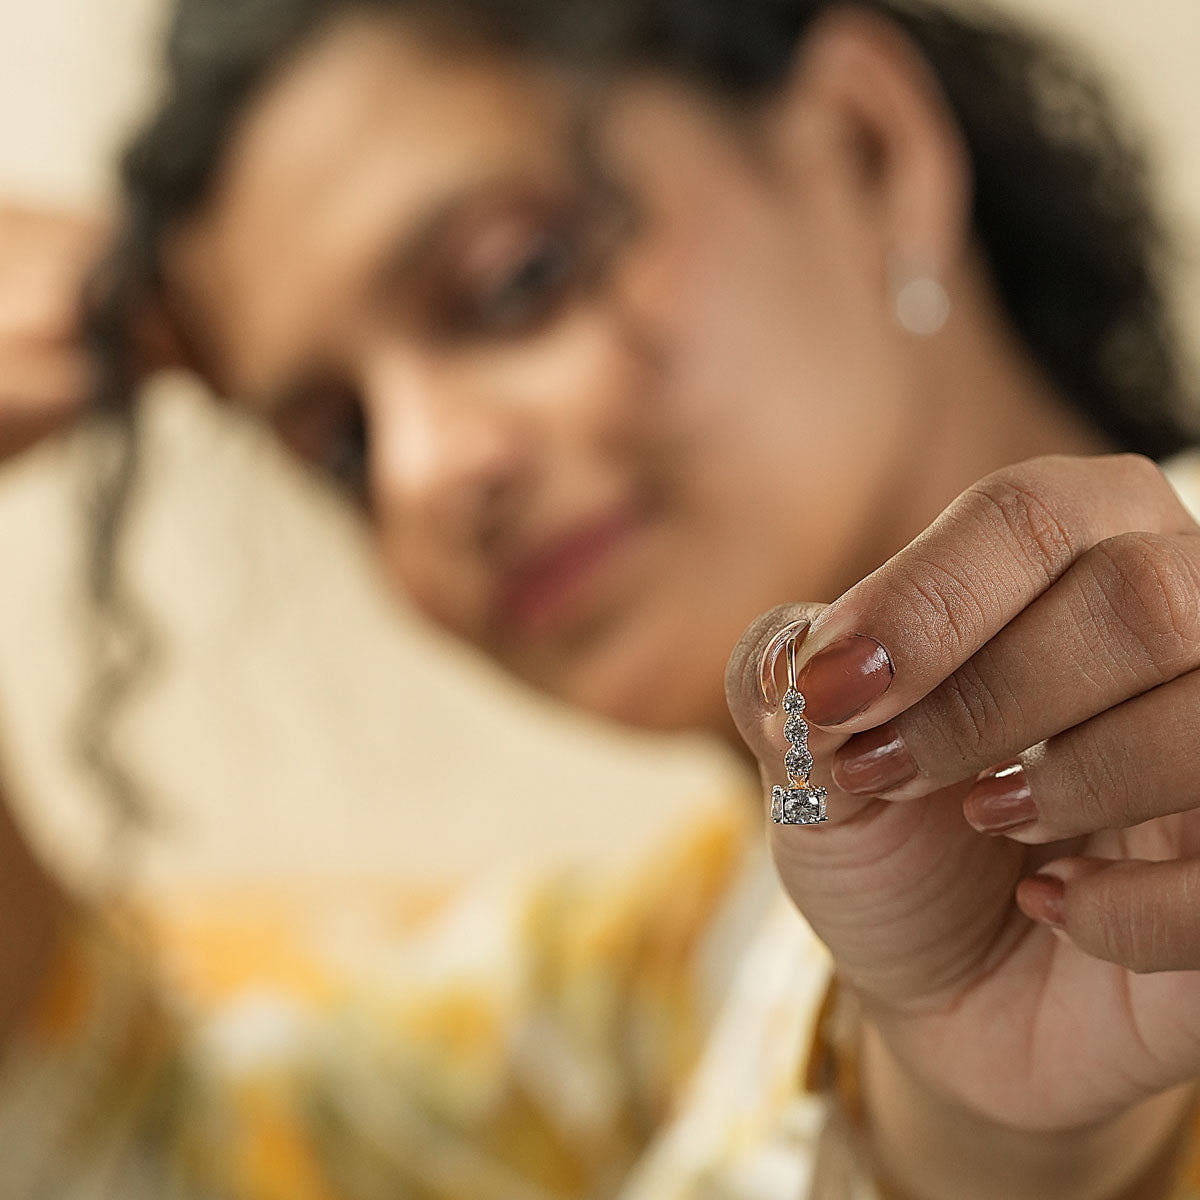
{"points": [[873, 762], [1001, 800], [845, 679], [1044, 898]]}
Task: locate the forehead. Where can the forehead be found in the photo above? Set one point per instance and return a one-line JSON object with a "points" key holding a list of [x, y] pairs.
{"points": [[352, 147]]}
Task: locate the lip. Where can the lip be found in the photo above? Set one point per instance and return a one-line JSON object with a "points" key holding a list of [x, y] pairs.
{"points": [[543, 589]]}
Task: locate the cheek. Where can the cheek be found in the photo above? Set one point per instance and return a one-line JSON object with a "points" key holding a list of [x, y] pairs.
{"points": [[419, 551], [563, 427], [768, 310], [422, 575], [805, 457], [784, 373], [768, 303], [580, 394]]}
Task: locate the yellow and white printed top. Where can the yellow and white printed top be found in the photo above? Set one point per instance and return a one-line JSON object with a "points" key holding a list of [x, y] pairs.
{"points": [[516, 1040], [661, 1038]]}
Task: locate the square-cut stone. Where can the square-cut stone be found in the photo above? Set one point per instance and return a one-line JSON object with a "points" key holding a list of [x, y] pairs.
{"points": [[798, 806]]}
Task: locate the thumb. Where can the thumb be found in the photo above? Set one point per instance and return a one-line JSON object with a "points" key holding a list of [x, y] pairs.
{"points": [[752, 683], [1138, 914], [755, 684], [906, 896]]}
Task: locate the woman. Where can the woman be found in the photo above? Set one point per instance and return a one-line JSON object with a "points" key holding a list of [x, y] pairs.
{"points": [[625, 321]]}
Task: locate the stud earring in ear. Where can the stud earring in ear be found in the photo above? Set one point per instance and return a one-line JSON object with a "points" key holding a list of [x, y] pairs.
{"points": [[921, 301]]}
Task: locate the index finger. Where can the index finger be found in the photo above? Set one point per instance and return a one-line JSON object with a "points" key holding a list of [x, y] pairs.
{"points": [[892, 638]]}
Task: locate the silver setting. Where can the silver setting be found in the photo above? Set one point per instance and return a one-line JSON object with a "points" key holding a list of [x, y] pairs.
{"points": [[800, 803], [799, 762], [798, 806], [795, 729]]}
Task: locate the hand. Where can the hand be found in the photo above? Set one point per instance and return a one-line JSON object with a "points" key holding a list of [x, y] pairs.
{"points": [[44, 260], [1046, 975]]}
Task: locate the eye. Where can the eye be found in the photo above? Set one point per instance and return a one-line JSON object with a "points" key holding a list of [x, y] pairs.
{"points": [[529, 290], [328, 430], [345, 458]]}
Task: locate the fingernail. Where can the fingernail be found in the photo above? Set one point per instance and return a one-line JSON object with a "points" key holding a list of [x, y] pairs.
{"points": [[873, 762], [1046, 895], [769, 663], [845, 679], [1001, 800]]}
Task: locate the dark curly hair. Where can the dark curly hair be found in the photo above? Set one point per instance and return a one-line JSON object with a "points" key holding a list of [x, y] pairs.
{"points": [[1062, 206]]}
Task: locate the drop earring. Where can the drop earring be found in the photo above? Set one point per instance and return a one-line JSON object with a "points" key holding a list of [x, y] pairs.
{"points": [[799, 803]]}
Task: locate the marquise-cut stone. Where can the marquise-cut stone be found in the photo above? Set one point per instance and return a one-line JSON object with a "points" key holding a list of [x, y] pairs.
{"points": [[799, 762], [795, 729], [793, 703], [798, 806]]}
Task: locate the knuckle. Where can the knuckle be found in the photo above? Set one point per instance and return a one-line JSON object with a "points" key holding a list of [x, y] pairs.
{"points": [[1123, 922], [941, 606], [967, 720], [1153, 939], [1103, 779], [1177, 924], [1148, 590], [1140, 471], [1022, 502], [1145, 928]]}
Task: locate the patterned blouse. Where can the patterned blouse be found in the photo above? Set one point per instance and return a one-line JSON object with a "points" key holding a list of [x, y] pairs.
{"points": [[667, 1037]]}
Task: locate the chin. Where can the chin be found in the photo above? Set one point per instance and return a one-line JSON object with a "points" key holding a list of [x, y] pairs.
{"points": [[645, 712], [650, 695]]}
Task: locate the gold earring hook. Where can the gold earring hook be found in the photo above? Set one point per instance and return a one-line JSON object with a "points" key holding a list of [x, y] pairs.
{"points": [[788, 638]]}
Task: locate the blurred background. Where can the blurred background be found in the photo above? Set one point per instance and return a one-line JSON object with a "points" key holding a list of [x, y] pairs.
{"points": [[291, 690]]}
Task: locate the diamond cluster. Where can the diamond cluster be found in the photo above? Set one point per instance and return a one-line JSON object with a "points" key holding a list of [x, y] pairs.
{"points": [[796, 731], [799, 803], [799, 762]]}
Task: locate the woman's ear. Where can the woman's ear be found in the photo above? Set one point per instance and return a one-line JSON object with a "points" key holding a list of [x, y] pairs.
{"points": [[862, 89]]}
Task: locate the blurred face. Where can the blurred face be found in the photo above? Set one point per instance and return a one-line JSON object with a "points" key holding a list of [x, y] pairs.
{"points": [[609, 380]]}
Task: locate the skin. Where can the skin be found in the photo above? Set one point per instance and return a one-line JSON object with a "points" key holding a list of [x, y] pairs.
{"points": [[717, 408], [43, 259], [487, 442], [1079, 1031]]}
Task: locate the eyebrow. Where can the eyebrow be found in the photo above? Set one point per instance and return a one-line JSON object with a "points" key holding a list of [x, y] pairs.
{"points": [[401, 261], [405, 257]]}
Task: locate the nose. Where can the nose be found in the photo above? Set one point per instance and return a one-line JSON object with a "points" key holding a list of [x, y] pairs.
{"points": [[449, 460]]}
